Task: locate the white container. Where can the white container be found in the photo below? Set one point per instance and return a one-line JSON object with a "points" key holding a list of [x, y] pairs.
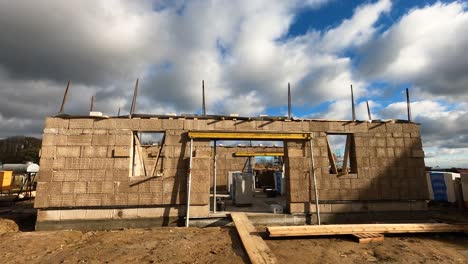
{"points": [[442, 186], [464, 183]]}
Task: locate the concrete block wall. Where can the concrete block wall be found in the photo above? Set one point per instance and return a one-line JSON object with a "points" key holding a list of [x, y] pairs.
{"points": [[87, 162]]}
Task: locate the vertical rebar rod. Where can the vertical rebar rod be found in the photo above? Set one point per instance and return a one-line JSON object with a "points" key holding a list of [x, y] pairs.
{"points": [[91, 107], [118, 112], [408, 104], [315, 180], [203, 98], [189, 184], [368, 111], [65, 95], [289, 101], [352, 103], [135, 94]]}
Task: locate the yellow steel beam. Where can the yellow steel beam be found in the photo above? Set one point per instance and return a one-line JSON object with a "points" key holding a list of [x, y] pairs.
{"points": [[247, 135], [254, 154]]}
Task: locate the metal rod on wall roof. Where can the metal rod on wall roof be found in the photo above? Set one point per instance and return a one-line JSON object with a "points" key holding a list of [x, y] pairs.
{"points": [[289, 101], [91, 107], [408, 105], [118, 112], [65, 97], [203, 98], [368, 111], [352, 103], [135, 94]]}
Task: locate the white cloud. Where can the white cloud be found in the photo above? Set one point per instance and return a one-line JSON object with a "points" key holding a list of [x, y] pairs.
{"points": [[426, 48]]}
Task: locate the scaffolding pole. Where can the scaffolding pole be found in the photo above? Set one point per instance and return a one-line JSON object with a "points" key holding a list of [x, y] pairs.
{"points": [[189, 184]]}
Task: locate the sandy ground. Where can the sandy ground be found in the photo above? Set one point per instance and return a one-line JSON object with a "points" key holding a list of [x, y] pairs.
{"points": [[220, 245], [158, 245], [209, 245], [442, 248]]}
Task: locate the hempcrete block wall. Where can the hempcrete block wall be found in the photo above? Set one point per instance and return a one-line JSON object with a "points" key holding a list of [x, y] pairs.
{"points": [[82, 163], [79, 166]]}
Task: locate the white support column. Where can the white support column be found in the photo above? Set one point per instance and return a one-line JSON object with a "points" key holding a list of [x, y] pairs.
{"points": [[189, 184], [214, 179], [315, 181]]}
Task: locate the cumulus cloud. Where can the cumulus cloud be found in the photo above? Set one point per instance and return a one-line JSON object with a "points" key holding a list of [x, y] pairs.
{"points": [[426, 48], [243, 51], [237, 47]]}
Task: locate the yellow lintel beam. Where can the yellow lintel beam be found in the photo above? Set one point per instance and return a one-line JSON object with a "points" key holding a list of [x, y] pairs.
{"points": [[256, 154], [247, 135]]}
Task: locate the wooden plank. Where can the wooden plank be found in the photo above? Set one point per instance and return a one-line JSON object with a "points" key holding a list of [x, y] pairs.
{"points": [[257, 250], [140, 153], [332, 159], [286, 231], [366, 238], [344, 170]]}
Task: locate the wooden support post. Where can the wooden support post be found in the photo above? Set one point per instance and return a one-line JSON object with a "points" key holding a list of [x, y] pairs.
{"points": [[344, 170], [65, 96], [140, 153], [331, 157], [157, 157]]}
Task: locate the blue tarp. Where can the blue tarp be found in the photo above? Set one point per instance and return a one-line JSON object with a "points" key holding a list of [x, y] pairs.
{"points": [[438, 186]]}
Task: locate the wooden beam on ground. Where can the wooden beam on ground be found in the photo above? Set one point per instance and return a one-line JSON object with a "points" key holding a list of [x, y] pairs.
{"points": [[349, 229], [257, 250], [369, 238]]}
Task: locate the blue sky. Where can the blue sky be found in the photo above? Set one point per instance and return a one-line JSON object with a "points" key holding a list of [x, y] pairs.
{"points": [[247, 52]]}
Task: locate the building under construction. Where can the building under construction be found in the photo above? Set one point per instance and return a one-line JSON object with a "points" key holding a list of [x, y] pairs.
{"points": [[114, 172]]}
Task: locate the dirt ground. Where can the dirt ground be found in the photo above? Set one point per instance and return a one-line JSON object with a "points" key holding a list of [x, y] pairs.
{"points": [[416, 248], [158, 245], [219, 245], [208, 245]]}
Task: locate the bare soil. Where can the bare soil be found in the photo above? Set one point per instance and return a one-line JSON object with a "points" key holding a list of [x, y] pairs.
{"points": [[415, 248], [209, 245], [158, 245], [220, 245]]}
